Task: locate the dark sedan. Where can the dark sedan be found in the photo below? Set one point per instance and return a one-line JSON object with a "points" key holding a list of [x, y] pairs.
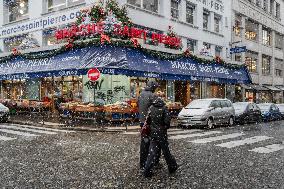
{"points": [[270, 112], [247, 112]]}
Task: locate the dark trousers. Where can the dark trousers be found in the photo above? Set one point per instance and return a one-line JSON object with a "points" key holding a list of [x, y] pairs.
{"points": [[144, 150], [163, 144]]}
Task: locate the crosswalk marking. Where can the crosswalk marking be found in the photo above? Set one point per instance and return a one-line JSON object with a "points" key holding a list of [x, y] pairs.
{"points": [[183, 132], [131, 133], [27, 129], [44, 128], [217, 138], [6, 138], [195, 135], [236, 143], [268, 149], [18, 133]]}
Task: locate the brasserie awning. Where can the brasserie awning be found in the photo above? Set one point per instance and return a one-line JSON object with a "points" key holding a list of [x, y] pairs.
{"points": [[255, 87], [120, 60]]}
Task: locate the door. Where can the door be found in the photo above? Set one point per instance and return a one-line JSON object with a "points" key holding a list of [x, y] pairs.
{"points": [[251, 113], [217, 111], [225, 109]]}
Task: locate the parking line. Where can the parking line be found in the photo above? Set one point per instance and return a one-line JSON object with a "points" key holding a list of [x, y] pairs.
{"points": [[217, 138], [18, 133], [43, 128], [6, 138], [245, 141], [268, 149], [27, 129], [194, 135]]}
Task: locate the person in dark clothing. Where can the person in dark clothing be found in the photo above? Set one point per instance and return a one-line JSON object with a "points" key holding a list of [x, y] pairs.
{"points": [[159, 120], [145, 100]]}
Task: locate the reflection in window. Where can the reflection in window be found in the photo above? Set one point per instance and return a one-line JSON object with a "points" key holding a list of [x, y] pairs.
{"points": [[151, 5], [266, 36], [175, 9], [279, 67], [265, 5], [205, 19], [251, 30], [277, 10], [18, 10], [278, 40], [189, 12], [14, 42], [54, 5], [191, 45], [266, 65], [251, 61], [217, 20], [218, 50], [134, 2]]}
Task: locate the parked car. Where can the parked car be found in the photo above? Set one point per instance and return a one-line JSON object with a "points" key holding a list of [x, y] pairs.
{"points": [[281, 109], [207, 112], [246, 112], [4, 113], [270, 112]]}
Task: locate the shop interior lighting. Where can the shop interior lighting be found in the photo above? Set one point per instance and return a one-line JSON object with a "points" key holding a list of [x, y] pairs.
{"points": [[21, 11], [22, 4]]}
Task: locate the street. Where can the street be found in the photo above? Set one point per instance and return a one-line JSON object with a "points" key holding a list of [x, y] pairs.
{"points": [[248, 156]]}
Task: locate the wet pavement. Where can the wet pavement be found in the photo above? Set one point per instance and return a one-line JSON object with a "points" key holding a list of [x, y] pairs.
{"points": [[249, 156]]}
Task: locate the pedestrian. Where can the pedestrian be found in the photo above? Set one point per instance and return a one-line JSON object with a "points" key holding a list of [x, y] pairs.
{"points": [[159, 120], [145, 100]]}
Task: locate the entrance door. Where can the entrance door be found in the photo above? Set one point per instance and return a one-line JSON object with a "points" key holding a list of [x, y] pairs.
{"points": [[182, 92]]}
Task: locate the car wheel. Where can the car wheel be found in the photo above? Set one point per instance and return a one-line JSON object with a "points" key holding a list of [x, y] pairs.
{"points": [[210, 124], [231, 121]]}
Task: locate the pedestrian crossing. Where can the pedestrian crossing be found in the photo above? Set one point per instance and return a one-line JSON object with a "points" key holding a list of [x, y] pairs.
{"points": [[9, 132], [224, 139]]}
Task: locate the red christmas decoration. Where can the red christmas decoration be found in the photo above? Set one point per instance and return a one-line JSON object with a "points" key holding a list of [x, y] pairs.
{"points": [[15, 51], [105, 38], [135, 42], [70, 44], [218, 59], [187, 52]]}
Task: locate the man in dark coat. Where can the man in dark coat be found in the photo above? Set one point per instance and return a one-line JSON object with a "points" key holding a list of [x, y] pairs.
{"points": [[159, 120], [145, 100]]}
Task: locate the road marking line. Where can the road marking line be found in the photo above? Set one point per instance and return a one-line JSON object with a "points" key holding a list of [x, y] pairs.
{"points": [[43, 128], [131, 133], [6, 138], [217, 138], [194, 135], [18, 133], [27, 129], [183, 132], [268, 149], [245, 141]]}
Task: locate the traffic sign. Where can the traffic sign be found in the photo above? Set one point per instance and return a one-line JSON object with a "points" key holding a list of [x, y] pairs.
{"points": [[94, 74], [238, 50]]}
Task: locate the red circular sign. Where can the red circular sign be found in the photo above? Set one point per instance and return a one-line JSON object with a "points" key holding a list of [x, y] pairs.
{"points": [[94, 74]]}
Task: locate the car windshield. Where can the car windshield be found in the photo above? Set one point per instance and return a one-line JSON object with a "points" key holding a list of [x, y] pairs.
{"points": [[2, 106], [240, 106], [264, 107], [198, 104]]}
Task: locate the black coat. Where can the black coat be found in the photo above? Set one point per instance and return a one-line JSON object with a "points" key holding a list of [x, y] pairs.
{"points": [[159, 119]]}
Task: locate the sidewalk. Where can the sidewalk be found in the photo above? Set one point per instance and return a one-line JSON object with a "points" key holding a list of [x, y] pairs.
{"points": [[79, 125]]}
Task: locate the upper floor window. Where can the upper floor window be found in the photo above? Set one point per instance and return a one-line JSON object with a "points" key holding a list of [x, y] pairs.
{"points": [[271, 6], [251, 61], [278, 40], [53, 5], [17, 10], [175, 9], [205, 19], [258, 3], [279, 67], [266, 36], [151, 5], [191, 45], [218, 50], [251, 30], [277, 10], [266, 63], [190, 12], [135, 2], [217, 21], [265, 5], [238, 24]]}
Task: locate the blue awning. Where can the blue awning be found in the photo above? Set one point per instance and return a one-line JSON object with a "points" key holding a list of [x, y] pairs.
{"points": [[120, 60]]}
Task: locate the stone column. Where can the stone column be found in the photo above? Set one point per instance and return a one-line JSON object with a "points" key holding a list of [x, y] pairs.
{"points": [[259, 53]]}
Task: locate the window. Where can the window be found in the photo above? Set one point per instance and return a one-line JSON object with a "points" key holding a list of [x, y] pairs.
{"points": [[191, 45], [258, 3], [266, 65], [251, 30], [279, 67], [238, 57], [266, 36], [217, 20], [14, 42], [271, 6], [189, 12], [238, 24], [205, 19], [265, 5], [17, 10], [251, 61], [135, 2], [277, 10], [218, 50], [206, 50], [151, 5], [175, 9], [215, 104], [278, 40], [53, 5]]}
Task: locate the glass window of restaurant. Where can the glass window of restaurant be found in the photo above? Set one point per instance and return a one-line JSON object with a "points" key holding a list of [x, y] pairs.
{"points": [[251, 61], [251, 32], [54, 5], [191, 45], [215, 90], [17, 10]]}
